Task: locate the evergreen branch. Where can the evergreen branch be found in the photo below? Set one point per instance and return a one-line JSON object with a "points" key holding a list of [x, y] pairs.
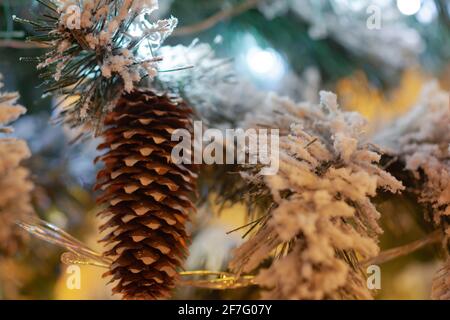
{"points": [[91, 57]]}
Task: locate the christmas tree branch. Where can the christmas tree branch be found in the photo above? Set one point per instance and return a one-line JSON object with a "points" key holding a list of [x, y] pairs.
{"points": [[217, 18], [404, 250], [445, 14]]}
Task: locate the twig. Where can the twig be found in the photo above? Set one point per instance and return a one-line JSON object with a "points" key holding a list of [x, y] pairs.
{"points": [[18, 44], [401, 251], [216, 18]]}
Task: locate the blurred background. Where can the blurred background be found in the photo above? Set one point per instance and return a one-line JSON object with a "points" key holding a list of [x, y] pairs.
{"points": [[376, 55]]}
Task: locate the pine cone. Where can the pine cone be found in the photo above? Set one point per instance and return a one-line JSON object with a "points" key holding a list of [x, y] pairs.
{"points": [[148, 196]]}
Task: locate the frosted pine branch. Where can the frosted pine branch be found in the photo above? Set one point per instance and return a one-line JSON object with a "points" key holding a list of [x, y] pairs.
{"points": [[323, 220], [420, 141], [395, 45], [15, 196], [441, 283], [98, 49]]}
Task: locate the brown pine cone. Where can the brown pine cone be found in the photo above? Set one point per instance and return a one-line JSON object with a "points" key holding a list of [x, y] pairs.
{"points": [[148, 197]]}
